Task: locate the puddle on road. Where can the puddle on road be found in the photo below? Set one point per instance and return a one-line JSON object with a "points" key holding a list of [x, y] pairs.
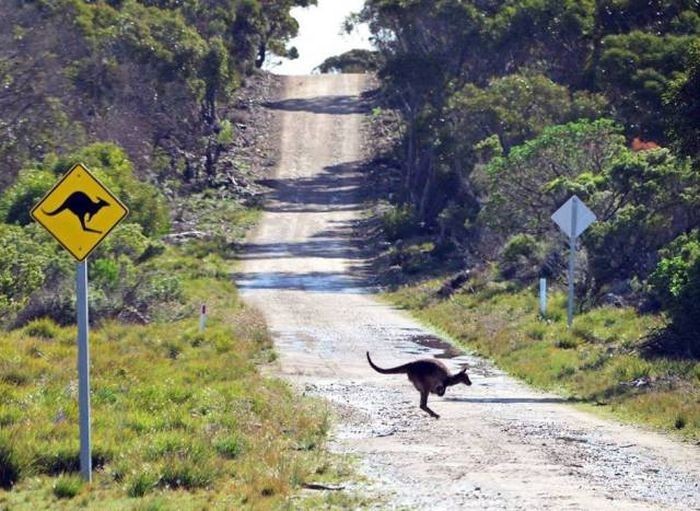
{"points": [[448, 351], [422, 345]]}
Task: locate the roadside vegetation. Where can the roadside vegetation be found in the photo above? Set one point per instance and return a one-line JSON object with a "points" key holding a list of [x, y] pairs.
{"points": [[181, 419], [492, 115], [160, 100], [603, 360], [156, 77]]}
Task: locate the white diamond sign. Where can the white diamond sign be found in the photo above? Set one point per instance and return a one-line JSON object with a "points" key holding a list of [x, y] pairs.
{"points": [[574, 217]]}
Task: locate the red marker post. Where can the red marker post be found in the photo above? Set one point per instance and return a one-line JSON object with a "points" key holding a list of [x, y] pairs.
{"points": [[202, 317]]}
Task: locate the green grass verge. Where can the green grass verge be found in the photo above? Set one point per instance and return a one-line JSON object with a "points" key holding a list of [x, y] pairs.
{"points": [[181, 419], [595, 362]]}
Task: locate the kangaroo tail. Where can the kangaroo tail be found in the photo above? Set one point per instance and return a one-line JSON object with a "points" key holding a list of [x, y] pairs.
{"points": [[54, 212], [392, 370]]}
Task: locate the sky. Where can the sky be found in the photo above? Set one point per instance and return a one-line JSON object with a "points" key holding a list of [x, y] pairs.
{"points": [[320, 36]]}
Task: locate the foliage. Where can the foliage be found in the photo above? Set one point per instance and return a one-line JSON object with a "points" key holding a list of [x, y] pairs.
{"points": [[397, 222], [353, 61], [535, 178], [110, 165], [508, 108], [635, 70], [676, 282], [24, 260], [153, 76], [646, 200], [682, 105], [67, 487], [522, 258], [173, 409], [643, 200]]}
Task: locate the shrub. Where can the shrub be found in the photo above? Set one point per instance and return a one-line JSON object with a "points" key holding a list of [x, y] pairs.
{"points": [[229, 447], [67, 487], [676, 282], [17, 201], [42, 328], [141, 483], [399, 222], [23, 263], [110, 164], [520, 245], [9, 464], [187, 474], [521, 257]]}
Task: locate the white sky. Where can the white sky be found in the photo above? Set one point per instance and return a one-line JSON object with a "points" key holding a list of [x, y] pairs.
{"points": [[320, 36]]}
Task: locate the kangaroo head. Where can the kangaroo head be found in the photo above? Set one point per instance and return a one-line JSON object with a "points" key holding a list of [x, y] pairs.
{"points": [[101, 203], [463, 377]]}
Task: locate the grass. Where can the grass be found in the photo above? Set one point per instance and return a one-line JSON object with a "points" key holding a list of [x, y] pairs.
{"points": [[181, 419], [67, 487], [596, 361]]}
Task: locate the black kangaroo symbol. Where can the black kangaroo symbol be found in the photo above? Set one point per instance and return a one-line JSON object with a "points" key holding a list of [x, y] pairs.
{"points": [[81, 206]]}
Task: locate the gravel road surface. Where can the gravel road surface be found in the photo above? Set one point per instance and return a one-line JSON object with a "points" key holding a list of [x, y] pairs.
{"points": [[498, 443]]}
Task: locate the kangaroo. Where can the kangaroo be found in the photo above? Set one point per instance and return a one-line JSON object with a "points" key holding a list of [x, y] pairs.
{"points": [[427, 375], [81, 206]]}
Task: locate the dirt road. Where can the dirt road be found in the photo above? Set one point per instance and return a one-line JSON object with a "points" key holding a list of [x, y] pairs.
{"points": [[498, 444]]}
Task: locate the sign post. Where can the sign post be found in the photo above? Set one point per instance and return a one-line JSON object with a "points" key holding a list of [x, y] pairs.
{"points": [[83, 370], [79, 211], [573, 218]]}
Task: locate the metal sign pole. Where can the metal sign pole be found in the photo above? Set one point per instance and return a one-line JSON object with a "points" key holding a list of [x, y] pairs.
{"points": [[573, 217], [83, 370], [572, 261]]}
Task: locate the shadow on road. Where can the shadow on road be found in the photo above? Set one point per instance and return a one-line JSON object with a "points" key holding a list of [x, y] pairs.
{"points": [[510, 400], [313, 281], [333, 105], [335, 188]]}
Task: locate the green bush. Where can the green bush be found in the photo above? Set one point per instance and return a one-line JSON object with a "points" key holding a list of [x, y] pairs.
{"points": [[42, 328], [23, 264], [521, 257], [229, 447], [676, 282], [18, 200], [67, 486], [520, 245], [10, 469], [141, 483], [399, 222], [109, 163]]}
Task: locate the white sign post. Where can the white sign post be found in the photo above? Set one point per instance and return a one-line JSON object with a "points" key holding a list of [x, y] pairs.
{"points": [[543, 297], [573, 218]]}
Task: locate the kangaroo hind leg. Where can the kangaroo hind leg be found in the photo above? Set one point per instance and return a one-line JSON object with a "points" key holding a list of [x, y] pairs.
{"points": [[85, 227], [424, 404]]}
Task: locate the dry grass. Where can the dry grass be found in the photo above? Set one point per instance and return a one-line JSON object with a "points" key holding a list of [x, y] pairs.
{"points": [[181, 419]]}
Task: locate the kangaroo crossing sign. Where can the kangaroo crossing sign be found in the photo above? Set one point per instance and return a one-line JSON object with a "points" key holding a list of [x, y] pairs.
{"points": [[79, 211]]}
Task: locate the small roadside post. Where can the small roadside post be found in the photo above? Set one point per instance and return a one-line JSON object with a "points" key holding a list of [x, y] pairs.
{"points": [[202, 317], [543, 296], [79, 212], [573, 217]]}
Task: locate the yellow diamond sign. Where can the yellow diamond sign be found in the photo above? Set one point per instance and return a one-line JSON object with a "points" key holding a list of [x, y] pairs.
{"points": [[79, 211]]}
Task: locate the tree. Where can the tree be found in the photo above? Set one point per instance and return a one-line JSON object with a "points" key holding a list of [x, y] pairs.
{"points": [[353, 61], [682, 107], [642, 200]]}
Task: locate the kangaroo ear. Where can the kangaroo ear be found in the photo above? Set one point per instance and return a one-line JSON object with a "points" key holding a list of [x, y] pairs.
{"points": [[464, 370]]}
